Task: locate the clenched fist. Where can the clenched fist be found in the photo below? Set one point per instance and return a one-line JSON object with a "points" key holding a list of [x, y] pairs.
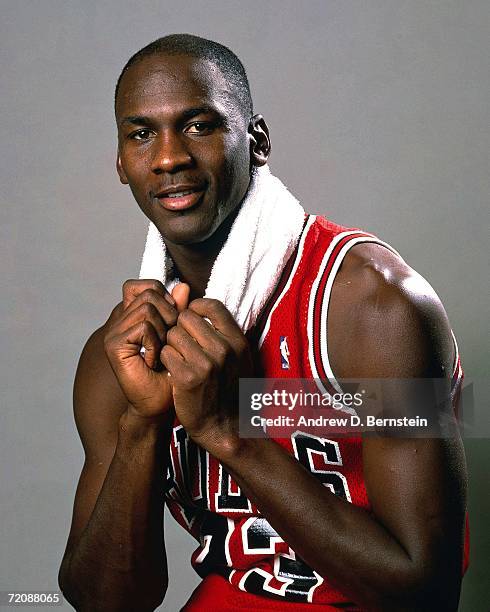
{"points": [[142, 319], [206, 353]]}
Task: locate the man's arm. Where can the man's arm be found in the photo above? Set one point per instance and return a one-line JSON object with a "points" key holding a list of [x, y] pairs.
{"points": [[406, 554], [115, 556]]}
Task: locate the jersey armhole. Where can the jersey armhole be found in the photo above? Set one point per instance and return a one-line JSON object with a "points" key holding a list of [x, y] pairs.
{"points": [[457, 373], [318, 308]]}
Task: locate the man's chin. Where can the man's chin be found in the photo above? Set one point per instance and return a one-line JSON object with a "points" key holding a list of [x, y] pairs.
{"points": [[196, 227], [187, 234]]}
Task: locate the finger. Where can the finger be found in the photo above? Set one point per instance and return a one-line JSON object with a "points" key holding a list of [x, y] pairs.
{"points": [[148, 313], [220, 318], [181, 293], [166, 311], [126, 345], [133, 287], [174, 363], [212, 342], [144, 312], [185, 345], [152, 345]]}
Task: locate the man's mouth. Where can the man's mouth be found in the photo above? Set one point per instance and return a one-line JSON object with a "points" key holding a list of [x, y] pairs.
{"points": [[180, 197]]}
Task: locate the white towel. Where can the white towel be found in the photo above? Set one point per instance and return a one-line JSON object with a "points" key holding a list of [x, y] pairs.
{"points": [[248, 267]]}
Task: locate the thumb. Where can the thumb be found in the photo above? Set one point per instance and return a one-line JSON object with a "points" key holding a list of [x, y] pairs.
{"points": [[181, 293]]}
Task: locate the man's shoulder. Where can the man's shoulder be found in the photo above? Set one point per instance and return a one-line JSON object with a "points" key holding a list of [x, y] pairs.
{"points": [[389, 314], [371, 268], [380, 276], [96, 393]]}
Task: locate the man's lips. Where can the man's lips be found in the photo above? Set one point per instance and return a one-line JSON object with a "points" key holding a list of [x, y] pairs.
{"points": [[180, 197]]}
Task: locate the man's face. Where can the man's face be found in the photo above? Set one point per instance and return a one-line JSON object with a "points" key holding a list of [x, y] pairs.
{"points": [[184, 147]]}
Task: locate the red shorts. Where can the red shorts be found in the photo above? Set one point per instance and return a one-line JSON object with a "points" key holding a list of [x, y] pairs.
{"points": [[216, 594]]}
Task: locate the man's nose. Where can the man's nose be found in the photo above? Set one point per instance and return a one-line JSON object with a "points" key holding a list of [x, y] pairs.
{"points": [[170, 153]]}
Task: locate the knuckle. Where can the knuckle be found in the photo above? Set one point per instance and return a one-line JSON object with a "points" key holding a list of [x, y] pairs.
{"points": [[190, 380], [142, 285], [129, 284], [205, 304], [147, 309], [207, 368], [221, 354], [210, 303], [241, 346], [156, 285], [146, 327], [170, 319], [214, 305], [164, 353], [197, 302], [148, 294], [184, 316], [172, 334]]}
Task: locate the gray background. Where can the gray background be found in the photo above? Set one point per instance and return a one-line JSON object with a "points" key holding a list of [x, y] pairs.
{"points": [[379, 119]]}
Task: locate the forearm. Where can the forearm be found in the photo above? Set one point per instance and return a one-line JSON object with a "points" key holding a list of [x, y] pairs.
{"points": [[119, 561], [339, 540]]}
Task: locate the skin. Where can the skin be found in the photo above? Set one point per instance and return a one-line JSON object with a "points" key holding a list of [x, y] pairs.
{"points": [[172, 143], [406, 554]]}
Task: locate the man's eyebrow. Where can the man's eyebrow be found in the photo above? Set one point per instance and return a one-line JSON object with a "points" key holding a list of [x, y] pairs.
{"points": [[186, 114], [136, 120], [200, 110]]}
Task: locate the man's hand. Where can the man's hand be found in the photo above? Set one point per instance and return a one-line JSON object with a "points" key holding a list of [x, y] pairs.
{"points": [[142, 319], [205, 359]]}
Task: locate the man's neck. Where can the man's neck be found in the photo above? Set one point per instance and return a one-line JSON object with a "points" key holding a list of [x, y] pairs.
{"points": [[194, 262]]}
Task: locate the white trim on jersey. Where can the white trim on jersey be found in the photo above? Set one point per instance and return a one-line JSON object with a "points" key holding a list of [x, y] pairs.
{"points": [[311, 304], [306, 229], [456, 356], [323, 342], [457, 370]]}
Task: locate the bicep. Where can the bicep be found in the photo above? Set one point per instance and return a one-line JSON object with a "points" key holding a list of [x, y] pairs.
{"points": [[98, 405]]}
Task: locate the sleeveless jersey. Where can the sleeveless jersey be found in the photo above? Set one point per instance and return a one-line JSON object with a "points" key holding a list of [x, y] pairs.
{"points": [[244, 562]]}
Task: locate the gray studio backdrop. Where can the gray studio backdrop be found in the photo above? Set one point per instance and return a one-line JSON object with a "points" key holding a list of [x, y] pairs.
{"points": [[379, 118]]}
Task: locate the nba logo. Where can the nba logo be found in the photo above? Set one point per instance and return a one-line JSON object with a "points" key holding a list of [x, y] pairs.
{"points": [[284, 351]]}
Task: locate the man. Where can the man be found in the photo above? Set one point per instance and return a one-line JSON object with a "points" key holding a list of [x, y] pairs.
{"points": [[386, 533]]}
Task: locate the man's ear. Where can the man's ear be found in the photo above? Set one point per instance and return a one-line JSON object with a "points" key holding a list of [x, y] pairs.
{"points": [[120, 171], [260, 144]]}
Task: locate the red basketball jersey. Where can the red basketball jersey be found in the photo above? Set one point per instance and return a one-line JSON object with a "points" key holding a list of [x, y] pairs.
{"points": [[244, 562]]}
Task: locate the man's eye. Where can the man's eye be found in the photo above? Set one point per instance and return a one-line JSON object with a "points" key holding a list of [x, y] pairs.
{"points": [[143, 134], [199, 127]]}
